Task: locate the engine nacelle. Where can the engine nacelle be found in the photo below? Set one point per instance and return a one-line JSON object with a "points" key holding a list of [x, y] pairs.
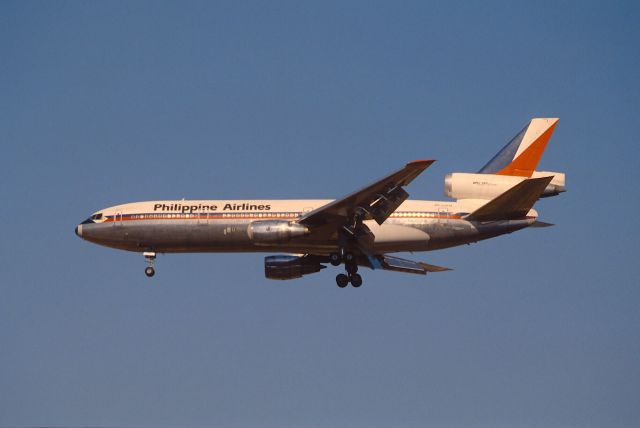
{"points": [[289, 267], [459, 185], [275, 230], [556, 186]]}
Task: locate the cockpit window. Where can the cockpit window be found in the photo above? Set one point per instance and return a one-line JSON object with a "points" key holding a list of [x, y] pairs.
{"points": [[96, 216]]}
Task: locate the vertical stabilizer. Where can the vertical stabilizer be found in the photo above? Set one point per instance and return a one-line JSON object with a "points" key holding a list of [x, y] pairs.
{"points": [[521, 155]]}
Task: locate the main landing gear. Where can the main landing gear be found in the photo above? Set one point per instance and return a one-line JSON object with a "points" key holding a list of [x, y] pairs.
{"points": [[351, 267], [150, 257]]}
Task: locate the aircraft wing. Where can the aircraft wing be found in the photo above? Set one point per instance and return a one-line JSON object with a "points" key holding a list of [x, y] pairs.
{"points": [[376, 201]]}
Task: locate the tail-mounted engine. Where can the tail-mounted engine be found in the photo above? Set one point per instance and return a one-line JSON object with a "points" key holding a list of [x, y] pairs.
{"points": [[460, 185], [270, 231], [290, 267]]}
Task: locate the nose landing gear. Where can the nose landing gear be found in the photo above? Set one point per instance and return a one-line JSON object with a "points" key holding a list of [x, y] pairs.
{"points": [[150, 257]]}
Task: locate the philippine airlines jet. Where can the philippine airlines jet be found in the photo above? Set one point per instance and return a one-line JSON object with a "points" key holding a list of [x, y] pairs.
{"points": [[361, 229]]}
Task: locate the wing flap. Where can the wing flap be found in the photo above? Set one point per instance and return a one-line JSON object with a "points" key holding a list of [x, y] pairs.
{"points": [[396, 264], [514, 203], [384, 206]]}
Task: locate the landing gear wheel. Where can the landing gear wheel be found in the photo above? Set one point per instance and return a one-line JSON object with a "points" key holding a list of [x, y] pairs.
{"points": [[335, 259], [348, 257], [356, 280], [342, 280], [150, 257]]}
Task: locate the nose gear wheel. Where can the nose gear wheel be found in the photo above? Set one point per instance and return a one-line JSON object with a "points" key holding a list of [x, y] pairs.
{"points": [[150, 257]]}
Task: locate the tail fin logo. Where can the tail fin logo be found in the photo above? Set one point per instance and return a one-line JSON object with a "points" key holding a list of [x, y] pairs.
{"points": [[521, 155]]}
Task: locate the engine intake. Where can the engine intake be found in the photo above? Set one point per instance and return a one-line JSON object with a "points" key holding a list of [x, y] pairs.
{"points": [[275, 230], [290, 267]]}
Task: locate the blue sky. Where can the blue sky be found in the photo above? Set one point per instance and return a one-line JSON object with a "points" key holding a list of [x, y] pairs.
{"points": [[106, 103]]}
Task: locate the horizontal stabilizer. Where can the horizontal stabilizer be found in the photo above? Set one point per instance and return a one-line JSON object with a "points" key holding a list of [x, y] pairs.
{"points": [[397, 264], [513, 204]]}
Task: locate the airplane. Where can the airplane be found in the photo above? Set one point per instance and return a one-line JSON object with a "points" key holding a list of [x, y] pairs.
{"points": [[363, 229]]}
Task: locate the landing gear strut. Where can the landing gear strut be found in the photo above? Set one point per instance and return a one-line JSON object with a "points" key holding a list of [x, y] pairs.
{"points": [[150, 257], [348, 238], [351, 266]]}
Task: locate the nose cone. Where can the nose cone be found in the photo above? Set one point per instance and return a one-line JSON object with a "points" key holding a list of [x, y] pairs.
{"points": [[79, 230]]}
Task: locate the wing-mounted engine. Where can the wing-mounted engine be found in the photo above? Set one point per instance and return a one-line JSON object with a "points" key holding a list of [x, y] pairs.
{"points": [[271, 231], [460, 185], [291, 267]]}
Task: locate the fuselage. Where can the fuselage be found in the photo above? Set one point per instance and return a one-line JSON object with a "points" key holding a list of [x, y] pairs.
{"points": [[178, 226]]}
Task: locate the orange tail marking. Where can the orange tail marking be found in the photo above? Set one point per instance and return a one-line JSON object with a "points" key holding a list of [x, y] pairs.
{"points": [[526, 163]]}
